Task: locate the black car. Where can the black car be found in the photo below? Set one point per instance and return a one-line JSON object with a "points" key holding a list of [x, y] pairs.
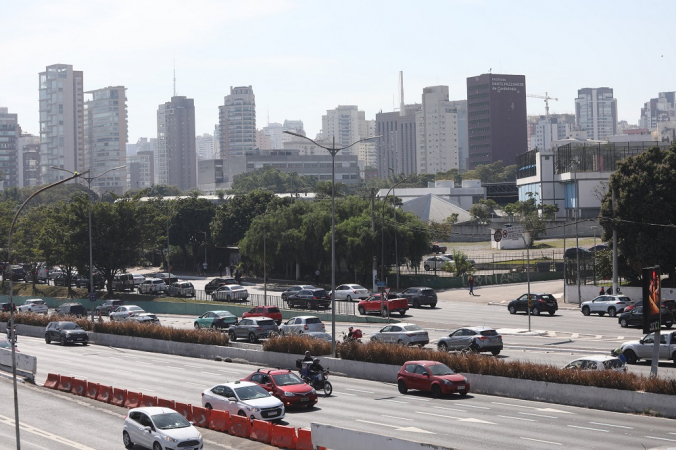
{"points": [[108, 306], [295, 289], [16, 272], [309, 299], [418, 296], [437, 248], [539, 303], [60, 280], [71, 309], [5, 307], [599, 248], [82, 281], [634, 318], [65, 333], [218, 282], [571, 253]]}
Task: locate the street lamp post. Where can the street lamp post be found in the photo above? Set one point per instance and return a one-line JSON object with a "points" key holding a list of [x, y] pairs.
{"points": [[396, 252], [333, 151], [382, 235]]}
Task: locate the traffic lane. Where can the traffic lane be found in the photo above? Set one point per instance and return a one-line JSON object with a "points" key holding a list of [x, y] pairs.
{"points": [[356, 404]]}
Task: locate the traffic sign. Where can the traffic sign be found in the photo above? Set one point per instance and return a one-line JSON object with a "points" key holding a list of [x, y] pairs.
{"points": [[497, 236], [512, 231], [92, 296], [380, 284], [387, 290]]}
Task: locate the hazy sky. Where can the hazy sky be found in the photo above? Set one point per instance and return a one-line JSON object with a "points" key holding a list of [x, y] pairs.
{"points": [[303, 57]]}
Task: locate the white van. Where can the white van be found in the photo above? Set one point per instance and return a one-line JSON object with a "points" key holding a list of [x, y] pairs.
{"points": [[123, 282]]}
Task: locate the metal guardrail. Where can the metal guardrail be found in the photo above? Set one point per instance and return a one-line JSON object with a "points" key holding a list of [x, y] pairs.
{"points": [[346, 308]]}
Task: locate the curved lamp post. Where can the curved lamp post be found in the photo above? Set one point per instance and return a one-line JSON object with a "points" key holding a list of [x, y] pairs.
{"points": [[382, 234], [333, 150]]}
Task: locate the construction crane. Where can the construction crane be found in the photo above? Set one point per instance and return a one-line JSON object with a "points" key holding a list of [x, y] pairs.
{"points": [[546, 98]]}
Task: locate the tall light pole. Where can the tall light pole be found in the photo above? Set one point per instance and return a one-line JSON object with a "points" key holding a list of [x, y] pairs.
{"points": [[382, 233], [394, 207], [11, 301], [577, 236], [92, 294], [333, 151]]}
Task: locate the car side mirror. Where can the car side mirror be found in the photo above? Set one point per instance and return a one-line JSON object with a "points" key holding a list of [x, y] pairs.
{"points": [[268, 385], [232, 399], [641, 342], [425, 374], [147, 429]]}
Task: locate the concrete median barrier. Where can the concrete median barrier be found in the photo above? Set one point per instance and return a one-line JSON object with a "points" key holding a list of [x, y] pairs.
{"points": [[26, 365], [337, 438]]}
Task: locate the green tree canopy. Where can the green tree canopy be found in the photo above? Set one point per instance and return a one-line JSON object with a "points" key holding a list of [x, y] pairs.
{"points": [[272, 179]]}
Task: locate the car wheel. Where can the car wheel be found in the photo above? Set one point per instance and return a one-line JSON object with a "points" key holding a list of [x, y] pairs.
{"points": [[48, 340], [612, 312], [512, 310], [433, 305], [551, 313], [126, 440], [252, 338], [84, 344], [231, 335], [227, 299], [213, 298], [585, 310], [374, 339], [402, 312], [401, 385], [157, 446], [473, 347], [630, 356], [442, 347], [535, 311], [416, 304], [401, 342], [362, 311], [463, 394], [669, 325], [197, 326], [623, 323], [241, 413], [495, 352], [436, 391], [62, 340], [348, 298], [427, 267]]}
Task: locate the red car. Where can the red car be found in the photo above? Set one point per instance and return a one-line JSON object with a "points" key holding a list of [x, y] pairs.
{"points": [[286, 386], [431, 376], [271, 312]]}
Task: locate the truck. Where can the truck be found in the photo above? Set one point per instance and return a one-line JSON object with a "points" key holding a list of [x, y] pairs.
{"points": [[374, 304], [643, 349]]}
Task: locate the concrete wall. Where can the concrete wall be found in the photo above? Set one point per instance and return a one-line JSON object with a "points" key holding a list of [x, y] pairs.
{"points": [[590, 292], [336, 438]]}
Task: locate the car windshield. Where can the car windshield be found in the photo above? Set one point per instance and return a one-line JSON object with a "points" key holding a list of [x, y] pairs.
{"points": [[320, 293], [169, 421], [273, 310], [313, 320], [440, 369], [356, 286], [489, 333], [69, 326], [412, 328], [251, 392], [224, 314], [549, 297], [287, 379], [135, 308], [237, 288], [265, 322]]}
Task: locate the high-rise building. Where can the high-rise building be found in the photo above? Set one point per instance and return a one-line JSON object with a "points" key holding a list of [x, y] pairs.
{"points": [[105, 124], [368, 151], [141, 170], [436, 132], [660, 109], [346, 125], [272, 137], [144, 144], [61, 121], [496, 116], [10, 132], [596, 112], [176, 143], [237, 122], [547, 129], [29, 160], [397, 143], [204, 146]]}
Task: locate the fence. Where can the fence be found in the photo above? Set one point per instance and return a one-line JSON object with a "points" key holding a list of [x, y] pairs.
{"points": [[348, 308]]}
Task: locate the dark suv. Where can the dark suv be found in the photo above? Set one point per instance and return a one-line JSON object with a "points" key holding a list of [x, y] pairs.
{"points": [[66, 333], [108, 306], [218, 282], [418, 296], [539, 303], [71, 309]]}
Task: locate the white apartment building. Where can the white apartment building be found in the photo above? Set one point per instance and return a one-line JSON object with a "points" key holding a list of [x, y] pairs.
{"points": [[204, 146], [368, 151], [546, 130], [596, 112], [237, 122], [660, 109], [10, 152], [346, 124], [437, 145], [29, 160]]}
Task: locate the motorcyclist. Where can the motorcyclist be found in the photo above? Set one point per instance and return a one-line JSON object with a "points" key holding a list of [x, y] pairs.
{"points": [[308, 356], [315, 370], [350, 334]]}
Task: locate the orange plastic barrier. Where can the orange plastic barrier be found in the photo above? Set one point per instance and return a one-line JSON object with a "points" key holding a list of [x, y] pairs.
{"points": [[104, 394], [133, 400], [119, 397], [164, 403], [304, 441], [261, 431], [200, 416], [219, 420], [78, 387], [65, 383], [283, 436], [240, 426], [185, 410], [52, 380], [92, 389], [148, 400]]}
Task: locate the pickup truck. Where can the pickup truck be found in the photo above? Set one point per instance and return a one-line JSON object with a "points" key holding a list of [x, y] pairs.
{"points": [[643, 349], [373, 305]]}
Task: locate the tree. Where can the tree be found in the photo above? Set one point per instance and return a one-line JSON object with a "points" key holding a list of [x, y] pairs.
{"points": [[532, 215], [190, 220], [272, 179], [482, 210]]}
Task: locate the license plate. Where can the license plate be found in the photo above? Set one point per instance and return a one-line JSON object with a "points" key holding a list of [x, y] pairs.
{"points": [[304, 399], [461, 388]]}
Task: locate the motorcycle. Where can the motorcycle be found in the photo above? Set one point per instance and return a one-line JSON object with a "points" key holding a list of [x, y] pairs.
{"points": [[356, 336], [320, 382]]}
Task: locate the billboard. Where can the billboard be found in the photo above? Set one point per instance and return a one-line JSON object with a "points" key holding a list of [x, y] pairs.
{"points": [[651, 299]]}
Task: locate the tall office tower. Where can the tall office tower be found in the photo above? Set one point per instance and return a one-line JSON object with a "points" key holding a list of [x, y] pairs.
{"points": [[368, 151], [660, 109], [437, 132], [176, 143], [29, 160], [204, 146], [346, 124], [140, 170], [596, 112], [397, 144], [496, 116], [460, 107], [10, 132], [294, 125], [61, 122], [217, 142], [144, 144], [237, 122], [105, 124], [547, 129]]}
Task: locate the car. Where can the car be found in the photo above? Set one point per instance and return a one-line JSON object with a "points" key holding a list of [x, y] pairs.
{"points": [[309, 299], [597, 362], [60, 280], [403, 334], [294, 289], [152, 286], [54, 272], [301, 324], [349, 292], [124, 312], [82, 281], [160, 429], [138, 278], [253, 329], [437, 262], [437, 248], [214, 284], [571, 253], [418, 296], [611, 304], [319, 335], [181, 289], [243, 398], [374, 304], [643, 348], [230, 293], [476, 339], [65, 333], [4, 343], [108, 306], [165, 276], [599, 248], [123, 282], [634, 318], [16, 272], [145, 317], [540, 302], [668, 304], [6, 307], [215, 319], [286, 386], [71, 309], [431, 376], [36, 305], [271, 312]]}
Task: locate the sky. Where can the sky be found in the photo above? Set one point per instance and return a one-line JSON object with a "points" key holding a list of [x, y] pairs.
{"points": [[303, 57]]}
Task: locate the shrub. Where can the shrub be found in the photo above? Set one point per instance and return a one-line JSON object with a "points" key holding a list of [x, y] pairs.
{"points": [[297, 345]]}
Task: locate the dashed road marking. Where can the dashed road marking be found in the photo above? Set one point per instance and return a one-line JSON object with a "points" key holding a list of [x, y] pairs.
{"points": [[518, 418], [540, 440], [448, 409], [395, 417], [359, 390], [538, 415], [575, 335], [661, 439], [609, 425], [344, 393], [587, 428]]}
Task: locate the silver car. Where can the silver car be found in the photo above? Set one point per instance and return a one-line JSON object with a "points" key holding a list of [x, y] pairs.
{"points": [[403, 334], [476, 339], [436, 262], [230, 293], [124, 312], [152, 286], [349, 292], [155, 427], [36, 305], [597, 362], [149, 318], [181, 289], [611, 304], [301, 324]]}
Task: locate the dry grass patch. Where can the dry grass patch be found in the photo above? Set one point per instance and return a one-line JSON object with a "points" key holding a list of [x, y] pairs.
{"points": [[297, 345]]}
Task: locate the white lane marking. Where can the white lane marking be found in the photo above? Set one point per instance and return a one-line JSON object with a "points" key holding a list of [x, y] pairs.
{"points": [[599, 336], [672, 433], [211, 373], [376, 423], [45, 434], [437, 415], [394, 401], [344, 393], [539, 440], [448, 409], [661, 439], [518, 418], [609, 425], [395, 417], [472, 406], [359, 390], [539, 415], [619, 338], [587, 428], [516, 406], [194, 384], [575, 335], [193, 367]]}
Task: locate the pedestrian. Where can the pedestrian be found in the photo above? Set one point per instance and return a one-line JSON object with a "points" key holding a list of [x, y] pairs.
{"points": [[228, 272], [470, 281], [220, 270], [204, 266], [238, 276], [601, 292], [317, 276], [609, 291]]}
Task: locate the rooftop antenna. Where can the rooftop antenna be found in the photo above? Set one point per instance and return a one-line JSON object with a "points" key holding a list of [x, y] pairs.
{"points": [[401, 93]]}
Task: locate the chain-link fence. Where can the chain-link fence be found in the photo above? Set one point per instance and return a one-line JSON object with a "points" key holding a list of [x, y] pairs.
{"points": [[346, 308]]}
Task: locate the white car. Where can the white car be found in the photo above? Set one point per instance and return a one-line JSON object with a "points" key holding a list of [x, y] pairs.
{"points": [[230, 293], [242, 398], [301, 324], [159, 429], [403, 334], [124, 312], [138, 278], [36, 305], [597, 362], [436, 262], [152, 286], [611, 304], [349, 292]]}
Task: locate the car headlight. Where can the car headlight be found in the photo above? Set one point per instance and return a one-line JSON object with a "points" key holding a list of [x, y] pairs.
{"points": [[169, 439], [312, 392], [465, 379], [449, 382], [252, 409], [289, 394]]}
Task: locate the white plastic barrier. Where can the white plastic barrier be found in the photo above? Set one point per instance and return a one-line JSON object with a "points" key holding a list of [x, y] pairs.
{"points": [[335, 438]]}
